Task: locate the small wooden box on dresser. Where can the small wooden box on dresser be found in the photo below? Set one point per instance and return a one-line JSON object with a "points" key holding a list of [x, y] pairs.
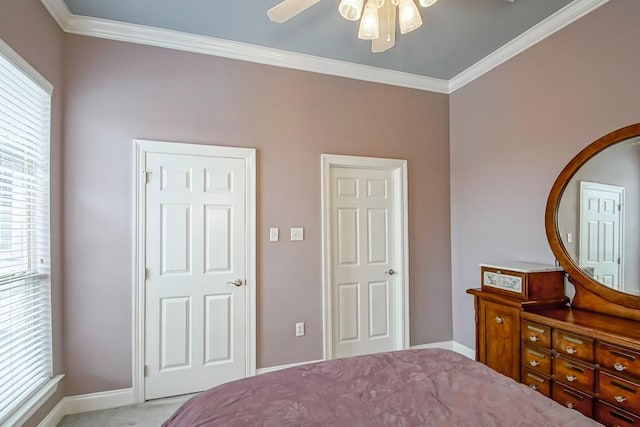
{"points": [[507, 288]]}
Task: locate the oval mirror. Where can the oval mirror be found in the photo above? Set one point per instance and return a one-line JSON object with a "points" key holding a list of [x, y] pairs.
{"points": [[593, 216]]}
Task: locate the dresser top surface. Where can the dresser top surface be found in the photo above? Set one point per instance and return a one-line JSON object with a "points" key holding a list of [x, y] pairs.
{"points": [[587, 322], [521, 266]]}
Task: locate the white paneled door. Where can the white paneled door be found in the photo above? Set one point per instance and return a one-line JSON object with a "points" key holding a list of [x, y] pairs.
{"points": [[195, 287], [364, 239], [601, 231]]}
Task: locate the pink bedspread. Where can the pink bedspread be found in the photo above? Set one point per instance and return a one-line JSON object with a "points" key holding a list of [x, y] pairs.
{"points": [[405, 388]]}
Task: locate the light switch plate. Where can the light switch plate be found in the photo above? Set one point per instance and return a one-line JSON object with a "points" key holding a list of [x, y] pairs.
{"points": [[297, 233], [273, 234]]}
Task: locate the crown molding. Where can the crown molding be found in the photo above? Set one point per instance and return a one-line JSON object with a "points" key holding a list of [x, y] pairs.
{"points": [[113, 30], [59, 10], [565, 16], [132, 33]]}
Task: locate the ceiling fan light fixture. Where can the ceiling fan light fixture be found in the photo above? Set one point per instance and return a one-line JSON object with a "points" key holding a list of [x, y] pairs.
{"points": [[379, 19], [409, 16], [369, 24], [351, 9], [427, 3]]}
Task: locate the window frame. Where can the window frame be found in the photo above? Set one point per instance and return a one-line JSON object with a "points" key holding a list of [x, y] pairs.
{"points": [[28, 407]]}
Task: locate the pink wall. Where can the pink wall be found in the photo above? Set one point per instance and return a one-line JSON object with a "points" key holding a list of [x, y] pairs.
{"points": [[40, 43], [511, 131], [116, 92], [515, 128]]}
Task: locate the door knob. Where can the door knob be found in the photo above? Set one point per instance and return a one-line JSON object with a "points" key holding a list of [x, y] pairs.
{"points": [[390, 272], [237, 282]]}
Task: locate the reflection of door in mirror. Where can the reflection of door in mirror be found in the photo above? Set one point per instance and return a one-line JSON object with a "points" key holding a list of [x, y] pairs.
{"points": [[618, 166], [601, 232]]}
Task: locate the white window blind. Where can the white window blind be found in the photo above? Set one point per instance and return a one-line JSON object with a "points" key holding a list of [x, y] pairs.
{"points": [[25, 314]]}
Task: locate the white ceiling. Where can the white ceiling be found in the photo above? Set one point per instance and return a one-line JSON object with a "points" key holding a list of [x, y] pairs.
{"points": [[460, 39]]}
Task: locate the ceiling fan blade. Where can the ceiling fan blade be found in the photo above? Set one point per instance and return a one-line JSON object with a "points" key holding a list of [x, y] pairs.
{"points": [[287, 9], [387, 19]]}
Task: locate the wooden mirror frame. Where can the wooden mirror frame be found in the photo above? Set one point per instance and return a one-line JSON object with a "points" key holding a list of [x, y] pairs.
{"points": [[590, 294]]}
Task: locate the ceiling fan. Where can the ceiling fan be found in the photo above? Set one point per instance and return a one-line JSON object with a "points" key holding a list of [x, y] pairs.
{"points": [[377, 17]]}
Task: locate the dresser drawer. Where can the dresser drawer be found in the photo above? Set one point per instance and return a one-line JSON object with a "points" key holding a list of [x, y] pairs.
{"points": [[536, 334], [622, 393], [618, 359], [612, 417], [537, 359], [536, 381], [572, 399], [573, 345], [573, 373]]}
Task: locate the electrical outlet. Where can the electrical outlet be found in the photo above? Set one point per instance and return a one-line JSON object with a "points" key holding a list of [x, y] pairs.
{"points": [[299, 329], [273, 234], [569, 237]]}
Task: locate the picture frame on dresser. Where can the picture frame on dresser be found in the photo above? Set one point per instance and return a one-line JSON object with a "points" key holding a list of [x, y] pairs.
{"points": [[585, 355]]}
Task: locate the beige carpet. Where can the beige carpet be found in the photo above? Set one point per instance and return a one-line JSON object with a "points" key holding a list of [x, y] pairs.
{"points": [[149, 414]]}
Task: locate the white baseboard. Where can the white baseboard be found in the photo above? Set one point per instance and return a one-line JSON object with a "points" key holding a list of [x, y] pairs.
{"points": [[87, 403], [450, 345], [447, 345], [98, 401], [279, 367], [464, 350]]}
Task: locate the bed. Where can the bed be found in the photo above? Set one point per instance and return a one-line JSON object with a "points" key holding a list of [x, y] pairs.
{"points": [[430, 387]]}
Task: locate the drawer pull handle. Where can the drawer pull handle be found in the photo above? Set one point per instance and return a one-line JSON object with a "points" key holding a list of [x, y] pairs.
{"points": [[619, 367], [571, 378], [572, 394], [622, 417], [574, 368], [623, 355], [533, 338], [622, 386], [571, 350], [533, 387], [569, 405], [499, 320], [535, 353], [573, 340], [534, 363], [534, 329], [620, 399], [536, 378]]}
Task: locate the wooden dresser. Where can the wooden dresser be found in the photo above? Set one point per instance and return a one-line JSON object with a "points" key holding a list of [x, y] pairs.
{"points": [[584, 360]]}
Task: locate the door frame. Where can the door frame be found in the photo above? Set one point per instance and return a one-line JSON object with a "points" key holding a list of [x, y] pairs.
{"points": [[589, 185], [140, 150], [401, 225]]}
